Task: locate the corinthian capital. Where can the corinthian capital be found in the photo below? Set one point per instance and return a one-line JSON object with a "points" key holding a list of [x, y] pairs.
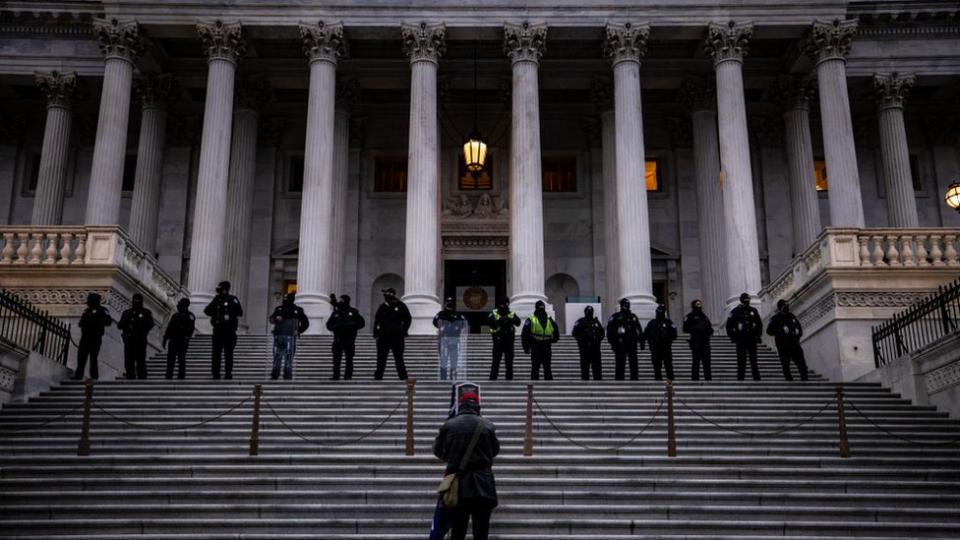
{"points": [[119, 39], [524, 42], [424, 41], [890, 90], [830, 40], [222, 41], [156, 90], [323, 42], [58, 88], [793, 92], [728, 41], [699, 94], [626, 42]]}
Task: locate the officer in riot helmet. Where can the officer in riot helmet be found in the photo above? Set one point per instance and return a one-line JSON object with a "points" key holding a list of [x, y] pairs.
{"points": [[744, 328], [539, 334], [503, 325], [390, 325], [344, 323], [450, 326], [588, 331], [289, 321], [94, 320], [698, 326], [176, 338], [625, 334], [660, 333], [135, 325], [787, 331], [224, 312]]}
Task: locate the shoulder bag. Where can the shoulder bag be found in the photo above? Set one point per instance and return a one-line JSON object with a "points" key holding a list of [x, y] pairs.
{"points": [[449, 488]]}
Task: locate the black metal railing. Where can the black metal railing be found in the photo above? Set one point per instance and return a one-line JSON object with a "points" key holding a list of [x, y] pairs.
{"points": [[919, 325], [32, 329]]}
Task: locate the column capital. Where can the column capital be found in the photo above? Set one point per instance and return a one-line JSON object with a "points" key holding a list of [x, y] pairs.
{"points": [[729, 41], [252, 93], [626, 42], [601, 91], [792, 92], [890, 89], [699, 94], [119, 39], [424, 42], [830, 40], [58, 88], [524, 42], [323, 41], [222, 41], [156, 90]]}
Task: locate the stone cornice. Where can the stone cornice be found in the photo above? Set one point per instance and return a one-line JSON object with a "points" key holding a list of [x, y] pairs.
{"points": [[729, 41], [58, 88], [424, 42], [699, 94], [830, 40], [323, 42], [222, 41], [156, 90], [625, 42], [890, 90], [524, 42], [119, 39], [793, 92]]}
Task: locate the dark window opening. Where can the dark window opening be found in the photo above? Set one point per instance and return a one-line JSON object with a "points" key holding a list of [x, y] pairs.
{"points": [[560, 174], [390, 175], [129, 172], [33, 172], [295, 176]]}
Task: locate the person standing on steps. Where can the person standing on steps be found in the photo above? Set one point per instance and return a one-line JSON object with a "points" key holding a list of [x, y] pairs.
{"points": [[503, 325], [787, 331], [344, 322], [698, 326], [625, 333], [390, 325], [224, 312], [588, 331], [660, 334], [450, 326], [135, 325], [177, 338], [539, 334], [93, 322], [744, 327], [289, 321]]}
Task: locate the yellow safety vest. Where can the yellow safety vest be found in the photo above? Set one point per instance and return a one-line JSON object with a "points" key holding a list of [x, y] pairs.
{"points": [[496, 318], [538, 332]]}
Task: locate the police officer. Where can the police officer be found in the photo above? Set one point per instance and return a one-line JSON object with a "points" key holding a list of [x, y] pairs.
{"points": [[289, 321], [177, 338], [744, 327], [344, 322], [660, 334], [390, 325], [503, 325], [787, 331], [135, 325], [588, 331], [698, 326], [450, 325], [94, 320], [224, 312], [539, 334], [624, 333]]}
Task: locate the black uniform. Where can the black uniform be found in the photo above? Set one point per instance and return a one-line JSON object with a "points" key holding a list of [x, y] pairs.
{"points": [[93, 322], [787, 331], [660, 334], [503, 325], [450, 325], [744, 328], [177, 339], [540, 344], [589, 335], [344, 322], [699, 327], [224, 312], [390, 326], [135, 325], [625, 333]]}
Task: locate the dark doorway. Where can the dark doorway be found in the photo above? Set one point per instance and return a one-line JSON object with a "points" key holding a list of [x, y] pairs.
{"points": [[476, 285], [661, 293]]}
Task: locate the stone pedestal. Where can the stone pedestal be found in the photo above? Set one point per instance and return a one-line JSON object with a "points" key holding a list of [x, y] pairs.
{"points": [[890, 92], [58, 89]]}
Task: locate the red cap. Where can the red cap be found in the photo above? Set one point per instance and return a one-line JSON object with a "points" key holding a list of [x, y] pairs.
{"points": [[469, 396]]}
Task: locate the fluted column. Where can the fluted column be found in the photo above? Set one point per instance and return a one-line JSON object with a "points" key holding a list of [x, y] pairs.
{"points": [[794, 95], [58, 89], [728, 45], [223, 46], [323, 44], [524, 44], [347, 94], [828, 44], [154, 90], [121, 43], [603, 96], [890, 92], [700, 98]]}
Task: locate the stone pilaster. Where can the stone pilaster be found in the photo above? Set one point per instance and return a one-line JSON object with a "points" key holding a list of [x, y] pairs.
{"points": [[525, 44], [727, 44], [347, 96], [603, 98], [121, 44], [828, 44], [58, 89], [890, 91]]}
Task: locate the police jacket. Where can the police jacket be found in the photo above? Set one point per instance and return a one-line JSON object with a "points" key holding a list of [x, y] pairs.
{"points": [[180, 327], [785, 327], [537, 331], [224, 312], [588, 331], [660, 332], [503, 327], [289, 320], [624, 330], [744, 325], [698, 325], [476, 481], [344, 323], [450, 323], [392, 320], [93, 321], [135, 324]]}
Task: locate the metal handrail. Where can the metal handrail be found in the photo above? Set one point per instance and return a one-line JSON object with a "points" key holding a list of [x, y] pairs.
{"points": [[918, 326], [32, 329]]}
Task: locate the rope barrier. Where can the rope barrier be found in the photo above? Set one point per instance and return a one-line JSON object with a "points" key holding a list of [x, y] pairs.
{"points": [[757, 433], [894, 435], [170, 428], [45, 423], [337, 444], [595, 448]]}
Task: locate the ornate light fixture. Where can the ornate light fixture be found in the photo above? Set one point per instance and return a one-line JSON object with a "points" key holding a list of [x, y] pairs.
{"points": [[953, 196], [474, 149]]}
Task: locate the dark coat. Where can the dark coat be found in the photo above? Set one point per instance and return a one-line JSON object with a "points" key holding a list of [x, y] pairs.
{"points": [[289, 320], [94, 321], [454, 323], [588, 331], [785, 328], [624, 329], [180, 328], [344, 323], [476, 481], [135, 324], [660, 333], [698, 325], [392, 320], [503, 328], [224, 312], [744, 325]]}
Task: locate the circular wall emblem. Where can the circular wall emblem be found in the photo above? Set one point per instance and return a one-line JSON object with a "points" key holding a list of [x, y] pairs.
{"points": [[475, 298]]}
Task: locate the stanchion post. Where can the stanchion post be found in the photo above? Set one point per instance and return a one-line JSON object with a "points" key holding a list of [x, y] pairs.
{"points": [[842, 424], [528, 431], [83, 448], [255, 425], [411, 387], [671, 428]]}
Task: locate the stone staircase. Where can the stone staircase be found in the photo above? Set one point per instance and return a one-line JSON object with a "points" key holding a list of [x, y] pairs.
{"points": [[199, 483]]}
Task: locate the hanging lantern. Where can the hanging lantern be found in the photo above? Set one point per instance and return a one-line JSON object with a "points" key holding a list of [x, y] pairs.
{"points": [[475, 152], [953, 196]]}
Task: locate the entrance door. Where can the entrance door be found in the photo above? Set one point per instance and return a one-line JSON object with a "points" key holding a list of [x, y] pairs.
{"points": [[475, 285]]}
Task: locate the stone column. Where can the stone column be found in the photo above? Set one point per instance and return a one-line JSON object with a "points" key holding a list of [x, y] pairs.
{"points": [[154, 90], [58, 89], [223, 46], [324, 45], [794, 95], [890, 92], [121, 43], [603, 96], [347, 95], [624, 46], [700, 98], [727, 44], [524, 44], [828, 44]]}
